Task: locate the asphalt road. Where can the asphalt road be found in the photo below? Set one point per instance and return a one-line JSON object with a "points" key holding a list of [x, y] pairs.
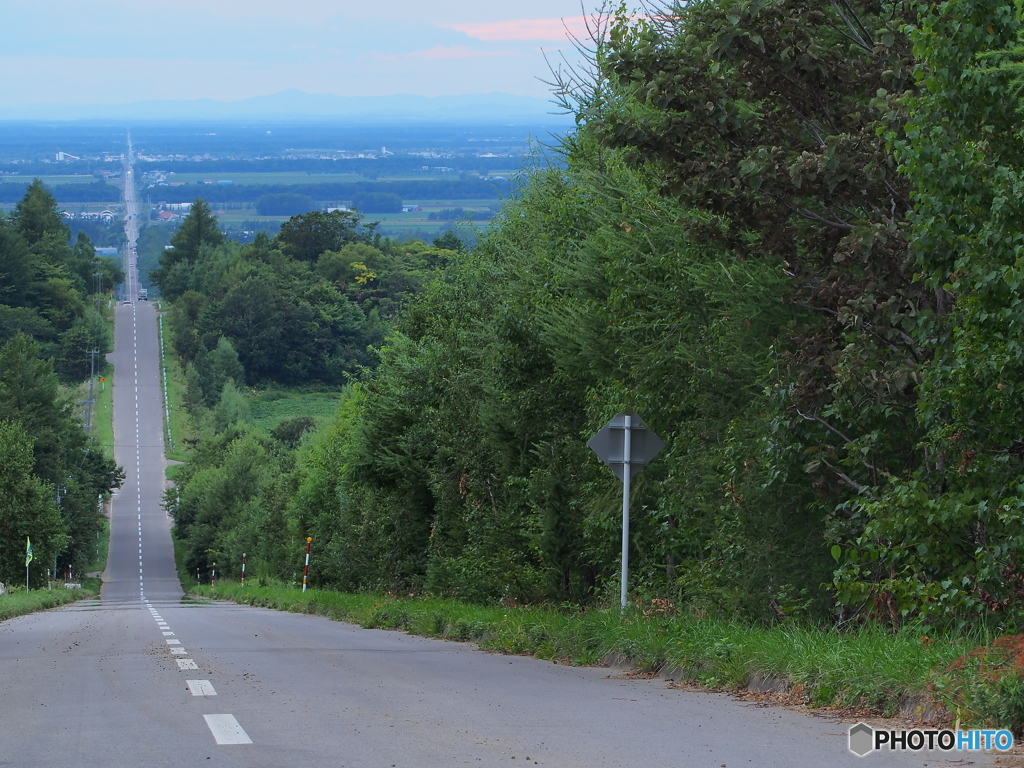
{"points": [[144, 677]]}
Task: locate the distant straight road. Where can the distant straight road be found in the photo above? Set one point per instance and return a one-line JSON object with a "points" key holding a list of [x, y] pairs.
{"points": [[142, 677]]}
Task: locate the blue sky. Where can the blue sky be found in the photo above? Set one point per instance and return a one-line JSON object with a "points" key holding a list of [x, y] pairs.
{"points": [[116, 51]]}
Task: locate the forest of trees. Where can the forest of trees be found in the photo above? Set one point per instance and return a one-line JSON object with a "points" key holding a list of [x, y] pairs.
{"points": [[51, 474], [304, 307], [790, 238]]}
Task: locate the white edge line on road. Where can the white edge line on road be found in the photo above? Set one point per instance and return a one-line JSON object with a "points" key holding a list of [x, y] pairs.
{"points": [[184, 664], [226, 729]]}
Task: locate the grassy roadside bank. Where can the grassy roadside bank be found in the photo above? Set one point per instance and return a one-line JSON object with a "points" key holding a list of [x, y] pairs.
{"points": [[20, 602], [176, 424], [963, 677]]}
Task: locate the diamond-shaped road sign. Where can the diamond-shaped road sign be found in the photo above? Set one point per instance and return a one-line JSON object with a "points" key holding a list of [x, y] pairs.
{"points": [[609, 444], [625, 442]]}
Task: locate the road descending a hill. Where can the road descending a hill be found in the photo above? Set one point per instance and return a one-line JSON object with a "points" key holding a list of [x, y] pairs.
{"points": [[143, 676]]}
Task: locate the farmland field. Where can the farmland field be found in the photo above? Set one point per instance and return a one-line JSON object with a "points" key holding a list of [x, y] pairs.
{"points": [[413, 223], [243, 178], [50, 181], [272, 406]]}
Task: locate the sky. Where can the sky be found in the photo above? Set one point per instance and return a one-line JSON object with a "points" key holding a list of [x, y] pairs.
{"points": [[70, 52]]}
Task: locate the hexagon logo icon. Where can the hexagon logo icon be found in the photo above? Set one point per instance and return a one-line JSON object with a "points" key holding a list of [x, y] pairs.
{"points": [[862, 739]]}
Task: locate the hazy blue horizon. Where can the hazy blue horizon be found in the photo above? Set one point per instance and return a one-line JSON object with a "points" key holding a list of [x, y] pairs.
{"points": [[293, 104], [68, 55]]}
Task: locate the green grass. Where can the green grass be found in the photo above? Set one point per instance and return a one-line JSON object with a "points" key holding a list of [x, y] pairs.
{"points": [[99, 561], [865, 669], [272, 406], [103, 414], [20, 602], [180, 429]]}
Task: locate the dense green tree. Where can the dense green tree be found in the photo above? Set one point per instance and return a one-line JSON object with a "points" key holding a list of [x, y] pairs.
{"points": [[199, 230], [218, 367], [37, 218], [943, 539], [288, 319], [16, 268], [232, 407], [227, 502], [31, 396], [766, 116], [450, 241], [307, 236], [28, 509]]}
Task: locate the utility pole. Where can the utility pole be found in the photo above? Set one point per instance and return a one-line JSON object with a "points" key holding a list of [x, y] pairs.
{"points": [[88, 403]]}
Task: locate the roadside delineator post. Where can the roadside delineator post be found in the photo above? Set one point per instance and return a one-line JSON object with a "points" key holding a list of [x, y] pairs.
{"points": [[243, 569], [213, 575], [305, 570]]}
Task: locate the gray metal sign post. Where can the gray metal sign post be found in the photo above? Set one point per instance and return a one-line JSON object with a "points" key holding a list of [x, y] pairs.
{"points": [[626, 446]]}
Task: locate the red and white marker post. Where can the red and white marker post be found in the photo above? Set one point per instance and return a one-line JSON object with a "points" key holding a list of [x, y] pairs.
{"points": [[243, 569], [305, 571]]}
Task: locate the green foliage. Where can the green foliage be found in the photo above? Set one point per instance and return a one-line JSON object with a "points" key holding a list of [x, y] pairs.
{"points": [[461, 466], [278, 311], [307, 236], [74, 471], [27, 508], [942, 540], [789, 237], [199, 231], [44, 281], [232, 408], [228, 498], [290, 431]]}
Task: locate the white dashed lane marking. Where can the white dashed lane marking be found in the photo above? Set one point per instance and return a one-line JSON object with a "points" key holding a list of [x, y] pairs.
{"points": [[201, 687], [226, 730]]}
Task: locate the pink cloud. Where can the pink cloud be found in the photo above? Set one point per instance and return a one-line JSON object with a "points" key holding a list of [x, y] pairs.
{"points": [[547, 30]]}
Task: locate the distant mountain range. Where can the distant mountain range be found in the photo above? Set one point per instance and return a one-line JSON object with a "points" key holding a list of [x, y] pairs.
{"points": [[291, 104]]}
